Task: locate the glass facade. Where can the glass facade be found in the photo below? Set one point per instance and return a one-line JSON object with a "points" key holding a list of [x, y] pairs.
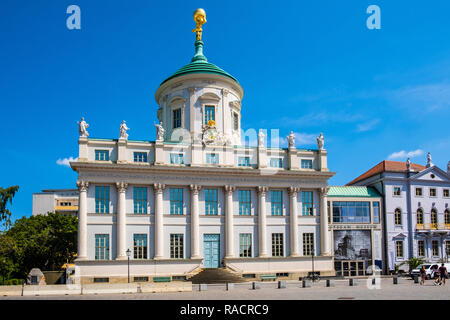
{"points": [[101, 199], [140, 199], [351, 211], [244, 202], [176, 200], [276, 198], [211, 202]]}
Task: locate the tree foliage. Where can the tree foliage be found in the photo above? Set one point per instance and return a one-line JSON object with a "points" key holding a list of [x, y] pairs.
{"points": [[6, 195], [43, 241]]}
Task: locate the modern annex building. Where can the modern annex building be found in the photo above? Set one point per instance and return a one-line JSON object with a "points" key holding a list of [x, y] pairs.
{"points": [[62, 201], [196, 197], [416, 210]]}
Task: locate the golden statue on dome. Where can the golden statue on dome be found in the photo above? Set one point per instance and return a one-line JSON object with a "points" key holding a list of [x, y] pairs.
{"points": [[200, 19]]}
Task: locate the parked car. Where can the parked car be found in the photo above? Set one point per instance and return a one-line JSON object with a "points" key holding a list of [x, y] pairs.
{"points": [[428, 269]]}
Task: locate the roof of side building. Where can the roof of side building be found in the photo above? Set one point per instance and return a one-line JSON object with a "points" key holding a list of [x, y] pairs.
{"points": [[353, 191]]}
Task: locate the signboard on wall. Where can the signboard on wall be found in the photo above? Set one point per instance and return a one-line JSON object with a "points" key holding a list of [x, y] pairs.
{"points": [[352, 245]]}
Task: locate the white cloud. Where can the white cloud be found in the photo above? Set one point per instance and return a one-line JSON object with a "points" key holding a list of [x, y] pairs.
{"points": [[404, 154], [65, 161], [362, 127]]}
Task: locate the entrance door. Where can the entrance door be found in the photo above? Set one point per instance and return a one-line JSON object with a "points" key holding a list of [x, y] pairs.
{"points": [[211, 245]]}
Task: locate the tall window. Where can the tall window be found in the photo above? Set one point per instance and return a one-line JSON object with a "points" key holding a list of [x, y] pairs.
{"points": [[306, 164], [399, 249], [447, 218], [102, 155], [398, 217], [419, 192], [435, 248], [307, 203], [101, 199], [102, 247], [308, 244], [397, 191], [419, 216], [176, 117], [421, 248], [176, 246], [244, 161], [176, 200], [245, 245], [376, 212], [176, 158], [140, 199], [446, 193], [277, 245], [433, 219], [209, 114], [140, 156], [211, 202], [212, 158], [432, 192], [140, 246], [244, 202], [276, 162], [276, 202], [235, 121]]}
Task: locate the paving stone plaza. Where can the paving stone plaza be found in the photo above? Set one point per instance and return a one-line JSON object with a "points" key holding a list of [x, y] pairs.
{"points": [[406, 289]]}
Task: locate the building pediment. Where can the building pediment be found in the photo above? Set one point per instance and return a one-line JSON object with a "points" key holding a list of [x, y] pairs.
{"points": [[432, 173]]}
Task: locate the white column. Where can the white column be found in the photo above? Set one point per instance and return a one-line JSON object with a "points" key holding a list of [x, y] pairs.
{"points": [[324, 238], [229, 221], [262, 221], [121, 222], [293, 221], [195, 225], [82, 219], [159, 223]]}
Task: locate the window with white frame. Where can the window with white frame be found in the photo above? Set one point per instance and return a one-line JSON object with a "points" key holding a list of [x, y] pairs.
{"points": [[397, 217], [376, 212], [210, 113], [276, 162], [245, 245], [419, 192], [244, 202], [211, 202], [306, 164], [102, 155], [435, 248], [434, 218], [307, 203], [102, 247], [176, 158], [176, 118], [432, 192], [140, 156], [276, 200], [140, 199], [277, 245], [308, 244], [244, 161], [446, 193], [176, 246], [101, 199], [176, 200], [140, 246], [397, 191], [447, 218], [421, 248], [212, 158], [419, 217], [399, 248]]}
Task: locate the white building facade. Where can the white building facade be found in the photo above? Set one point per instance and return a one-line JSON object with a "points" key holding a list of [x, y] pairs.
{"points": [[416, 211], [196, 197], [61, 201]]}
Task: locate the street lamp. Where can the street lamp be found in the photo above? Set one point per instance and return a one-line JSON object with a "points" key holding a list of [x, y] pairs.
{"points": [[128, 255]]}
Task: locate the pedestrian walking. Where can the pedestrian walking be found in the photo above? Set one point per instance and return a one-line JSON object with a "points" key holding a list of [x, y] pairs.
{"points": [[443, 274], [423, 275], [435, 274]]}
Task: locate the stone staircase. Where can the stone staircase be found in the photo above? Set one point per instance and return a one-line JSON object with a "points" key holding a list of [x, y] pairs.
{"points": [[216, 275]]}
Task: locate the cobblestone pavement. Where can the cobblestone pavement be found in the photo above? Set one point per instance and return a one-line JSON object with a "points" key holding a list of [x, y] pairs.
{"points": [[405, 290]]}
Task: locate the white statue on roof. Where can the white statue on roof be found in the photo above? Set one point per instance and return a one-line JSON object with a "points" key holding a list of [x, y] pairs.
{"points": [[408, 164], [123, 130], [261, 138], [159, 132], [82, 126], [429, 164], [320, 141], [291, 140]]}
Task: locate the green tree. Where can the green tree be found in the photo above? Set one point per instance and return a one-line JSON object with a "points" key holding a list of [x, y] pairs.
{"points": [[43, 241], [7, 252], [413, 263], [6, 195]]}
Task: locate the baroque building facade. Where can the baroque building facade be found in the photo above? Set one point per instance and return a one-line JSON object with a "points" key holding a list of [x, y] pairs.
{"points": [[196, 197], [416, 210]]}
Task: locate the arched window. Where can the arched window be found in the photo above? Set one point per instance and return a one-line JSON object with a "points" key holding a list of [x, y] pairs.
{"points": [[434, 220], [420, 217], [398, 217], [447, 218]]}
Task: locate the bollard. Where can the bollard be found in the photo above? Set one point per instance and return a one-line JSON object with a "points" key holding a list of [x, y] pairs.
{"points": [[306, 283], [330, 283], [230, 286], [281, 284], [395, 280], [202, 287], [352, 282], [416, 279], [256, 285]]}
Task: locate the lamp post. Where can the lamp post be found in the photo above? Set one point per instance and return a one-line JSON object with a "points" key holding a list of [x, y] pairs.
{"points": [[128, 255]]}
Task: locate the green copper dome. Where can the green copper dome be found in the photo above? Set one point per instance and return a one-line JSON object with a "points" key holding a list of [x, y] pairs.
{"points": [[199, 64]]}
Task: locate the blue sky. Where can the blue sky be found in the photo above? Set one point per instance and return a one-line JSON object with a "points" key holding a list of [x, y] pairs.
{"points": [[305, 66]]}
